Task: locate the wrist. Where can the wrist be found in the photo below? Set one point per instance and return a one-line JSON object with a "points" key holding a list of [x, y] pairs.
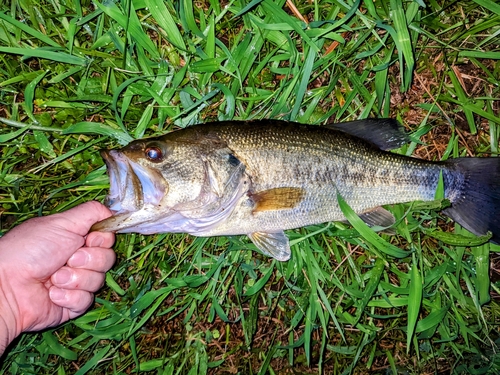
{"points": [[9, 325], [5, 338]]}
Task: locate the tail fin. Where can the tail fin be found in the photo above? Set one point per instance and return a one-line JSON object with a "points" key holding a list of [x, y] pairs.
{"points": [[477, 205]]}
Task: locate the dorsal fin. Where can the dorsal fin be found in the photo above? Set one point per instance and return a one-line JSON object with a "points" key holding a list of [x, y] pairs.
{"points": [[385, 133]]}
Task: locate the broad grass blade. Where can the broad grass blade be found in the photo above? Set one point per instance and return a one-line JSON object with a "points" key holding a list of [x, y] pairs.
{"points": [[165, 20], [368, 233], [130, 22], [29, 30], [401, 36], [13, 135], [86, 127], [488, 4], [57, 348], [482, 279], [370, 289], [29, 95], [431, 321], [414, 302], [44, 53], [94, 361]]}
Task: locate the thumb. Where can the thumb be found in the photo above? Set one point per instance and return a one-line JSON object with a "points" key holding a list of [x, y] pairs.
{"points": [[82, 217]]}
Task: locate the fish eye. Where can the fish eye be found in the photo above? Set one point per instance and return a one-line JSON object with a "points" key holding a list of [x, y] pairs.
{"points": [[154, 153]]}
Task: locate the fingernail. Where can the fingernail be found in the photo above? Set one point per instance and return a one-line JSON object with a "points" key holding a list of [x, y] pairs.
{"points": [[78, 259], [97, 241], [57, 294], [62, 276]]}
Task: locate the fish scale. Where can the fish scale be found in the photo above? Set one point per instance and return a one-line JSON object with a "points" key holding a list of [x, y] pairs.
{"points": [[329, 161], [263, 177]]}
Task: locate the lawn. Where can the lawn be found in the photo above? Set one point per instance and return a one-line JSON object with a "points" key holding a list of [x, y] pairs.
{"points": [[77, 76]]}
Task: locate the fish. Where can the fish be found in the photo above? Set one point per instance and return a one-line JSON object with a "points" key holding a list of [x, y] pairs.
{"points": [[262, 177]]}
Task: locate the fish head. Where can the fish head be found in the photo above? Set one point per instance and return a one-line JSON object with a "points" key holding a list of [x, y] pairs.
{"points": [[170, 184], [133, 182]]}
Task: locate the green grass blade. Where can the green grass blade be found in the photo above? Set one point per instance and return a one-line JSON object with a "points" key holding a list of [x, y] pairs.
{"points": [[165, 20], [57, 348], [365, 231], [305, 73], [29, 95], [93, 362], [44, 144], [29, 30], [403, 43], [414, 302], [261, 282], [431, 321], [370, 288], [144, 121], [118, 70], [281, 16], [13, 135], [247, 7], [230, 102], [131, 23], [462, 97], [490, 5], [186, 15], [458, 239], [65, 156], [482, 279], [86, 127], [43, 53], [480, 54]]}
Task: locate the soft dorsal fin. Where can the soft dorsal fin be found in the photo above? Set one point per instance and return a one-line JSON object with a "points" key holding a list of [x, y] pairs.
{"points": [[385, 133], [275, 245], [277, 199]]}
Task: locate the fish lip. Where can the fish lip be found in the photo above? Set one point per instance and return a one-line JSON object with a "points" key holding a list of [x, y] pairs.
{"points": [[114, 193], [125, 191], [132, 187], [120, 178]]}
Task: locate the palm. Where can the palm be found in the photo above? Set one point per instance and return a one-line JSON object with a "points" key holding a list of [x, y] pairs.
{"points": [[50, 267]]}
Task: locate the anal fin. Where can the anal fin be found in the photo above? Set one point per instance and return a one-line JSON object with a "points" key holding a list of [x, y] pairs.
{"points": [[379, 217], [275, 245]]}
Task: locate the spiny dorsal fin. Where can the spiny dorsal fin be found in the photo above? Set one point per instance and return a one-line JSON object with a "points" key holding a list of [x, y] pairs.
{"points": [[277, 199], [385, 133], [275, 245]]}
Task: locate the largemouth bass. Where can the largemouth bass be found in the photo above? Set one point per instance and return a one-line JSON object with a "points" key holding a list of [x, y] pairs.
{"points": [[260, 178]]}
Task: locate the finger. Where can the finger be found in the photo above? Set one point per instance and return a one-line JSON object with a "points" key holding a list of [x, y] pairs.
{"points": [[100, 239], [78, 279], [83, 216], [93, 258], [76, 301]]}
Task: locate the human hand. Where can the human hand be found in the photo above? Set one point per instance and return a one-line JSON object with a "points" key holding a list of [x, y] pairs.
{"points": [[50, 267]]}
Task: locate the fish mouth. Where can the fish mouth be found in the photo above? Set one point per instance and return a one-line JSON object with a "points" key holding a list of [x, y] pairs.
{"points": [[125, 188], [132, 188]]}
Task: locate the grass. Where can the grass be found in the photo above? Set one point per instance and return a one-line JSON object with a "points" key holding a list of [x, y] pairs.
{"points": [[77, 76]]}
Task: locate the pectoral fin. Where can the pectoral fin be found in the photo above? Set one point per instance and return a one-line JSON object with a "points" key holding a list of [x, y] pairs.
{"points": [[379, 217], [277, 199], [275, 245]]}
